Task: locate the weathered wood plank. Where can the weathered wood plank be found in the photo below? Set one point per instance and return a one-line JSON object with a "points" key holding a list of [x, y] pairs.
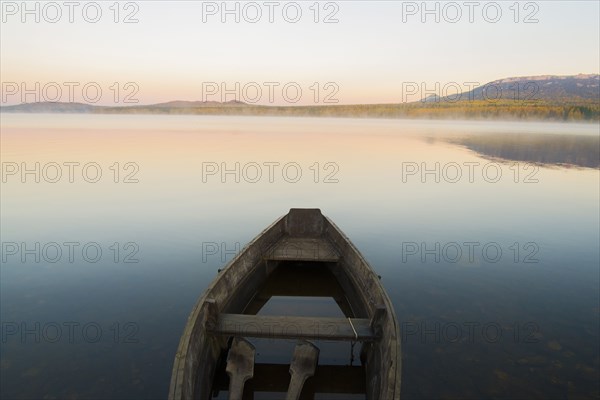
{"points": [[304, 222], [276, 327], [304, 363], [240, 366], [302, 249]]}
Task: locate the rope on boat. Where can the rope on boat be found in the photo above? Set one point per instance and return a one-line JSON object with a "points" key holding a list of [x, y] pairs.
{"points": [[353, 330]]}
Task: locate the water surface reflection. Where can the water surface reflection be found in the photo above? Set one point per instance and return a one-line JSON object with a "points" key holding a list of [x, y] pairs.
{"points": [[547, 311]]}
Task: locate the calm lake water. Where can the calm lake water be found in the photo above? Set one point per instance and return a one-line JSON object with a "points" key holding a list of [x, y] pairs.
{"points": [[107, 243]]}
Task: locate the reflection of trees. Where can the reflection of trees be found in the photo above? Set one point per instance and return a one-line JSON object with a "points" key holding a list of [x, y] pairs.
{"points": [[583, 151]]}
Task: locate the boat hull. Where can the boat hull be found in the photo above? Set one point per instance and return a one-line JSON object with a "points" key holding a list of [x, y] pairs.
{"points": [[301, 235]]}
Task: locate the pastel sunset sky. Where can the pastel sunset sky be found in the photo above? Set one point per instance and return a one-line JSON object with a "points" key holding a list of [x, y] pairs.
{"points": [[175, 48]]}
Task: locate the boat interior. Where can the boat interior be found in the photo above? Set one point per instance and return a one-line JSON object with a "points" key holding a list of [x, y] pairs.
{"points": [[299, 289]]}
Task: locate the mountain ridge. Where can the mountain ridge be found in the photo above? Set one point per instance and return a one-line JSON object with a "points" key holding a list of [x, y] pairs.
{"points": [[568, 97]]}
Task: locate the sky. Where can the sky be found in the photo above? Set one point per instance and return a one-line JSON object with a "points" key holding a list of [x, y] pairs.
{"points": [[284, 53]]}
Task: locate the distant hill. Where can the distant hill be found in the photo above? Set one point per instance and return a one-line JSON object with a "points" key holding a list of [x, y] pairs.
{"points": [[562, 98], [50, 107], [549, 88], [58, 107]]}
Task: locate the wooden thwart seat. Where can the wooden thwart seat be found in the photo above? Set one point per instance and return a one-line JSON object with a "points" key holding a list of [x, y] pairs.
{"points": [[283, 327], [302, 249]]}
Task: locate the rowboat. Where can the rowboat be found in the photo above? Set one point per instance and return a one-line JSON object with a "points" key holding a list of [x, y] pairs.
{"points": [[223, 320]]}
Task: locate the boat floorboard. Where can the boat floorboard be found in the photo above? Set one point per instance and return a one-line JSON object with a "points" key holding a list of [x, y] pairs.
{"points": [[327, 379]]}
